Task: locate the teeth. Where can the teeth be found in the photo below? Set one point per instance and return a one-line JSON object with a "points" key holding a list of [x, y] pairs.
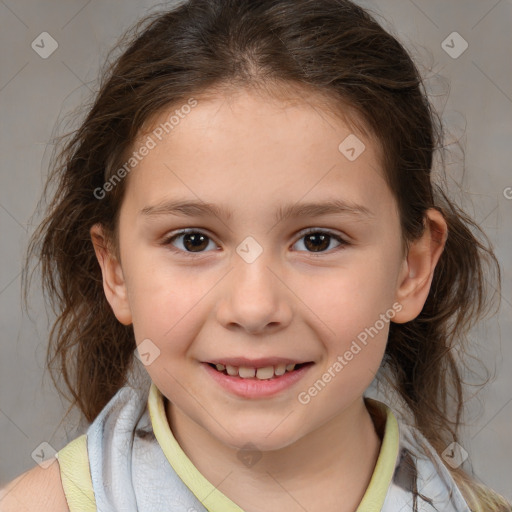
{"points": [[246, 373], [280, 369], [264, 373], [231, 370]]}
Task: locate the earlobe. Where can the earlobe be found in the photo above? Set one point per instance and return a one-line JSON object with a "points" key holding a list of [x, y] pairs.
{"points": [[114, 284], [415, 280]]}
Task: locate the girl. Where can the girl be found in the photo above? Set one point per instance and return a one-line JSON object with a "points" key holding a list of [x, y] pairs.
{"points": [[247, 213]]}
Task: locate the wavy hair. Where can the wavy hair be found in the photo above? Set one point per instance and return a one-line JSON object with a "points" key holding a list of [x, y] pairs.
{"points": [[333, 49]]}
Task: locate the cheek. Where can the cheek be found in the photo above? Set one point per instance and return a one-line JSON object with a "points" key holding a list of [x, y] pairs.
{"points": [[166, 304], [355, 313], [355, 307], [352, 298]]}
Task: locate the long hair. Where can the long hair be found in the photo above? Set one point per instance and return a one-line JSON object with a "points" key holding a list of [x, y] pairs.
{"points": [[331, 48]]}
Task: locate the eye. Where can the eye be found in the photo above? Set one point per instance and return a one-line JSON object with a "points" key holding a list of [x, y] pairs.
{"points": [[317, 240], [195, 241]]}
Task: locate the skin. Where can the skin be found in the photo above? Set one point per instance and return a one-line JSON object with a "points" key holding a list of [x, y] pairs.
{"points": [[264, 308], [252, 154]]}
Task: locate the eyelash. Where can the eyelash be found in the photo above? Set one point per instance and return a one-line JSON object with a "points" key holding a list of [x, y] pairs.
{"points": [[168, 241]]}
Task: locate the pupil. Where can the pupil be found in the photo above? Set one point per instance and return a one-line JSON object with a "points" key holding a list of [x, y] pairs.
{"points": [[197, 240], [319, 241]]}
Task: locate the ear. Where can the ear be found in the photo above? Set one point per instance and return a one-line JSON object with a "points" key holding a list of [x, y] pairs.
{"points": [[113, 280], [418, 267]]}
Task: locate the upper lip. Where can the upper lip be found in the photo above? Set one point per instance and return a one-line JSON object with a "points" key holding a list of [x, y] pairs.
{"points": [[260, 362]]}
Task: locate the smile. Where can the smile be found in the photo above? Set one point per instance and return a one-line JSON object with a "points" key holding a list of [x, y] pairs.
{"points": [[261, 373], [251, 379]]}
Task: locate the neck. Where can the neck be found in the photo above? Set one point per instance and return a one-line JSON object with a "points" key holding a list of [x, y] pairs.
{"points": [[328, 469]]}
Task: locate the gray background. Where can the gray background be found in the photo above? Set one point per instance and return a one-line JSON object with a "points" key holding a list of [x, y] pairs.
{"points": [[473, 91]]}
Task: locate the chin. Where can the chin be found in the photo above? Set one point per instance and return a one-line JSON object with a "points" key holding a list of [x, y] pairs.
{"points": [[260, 440]]}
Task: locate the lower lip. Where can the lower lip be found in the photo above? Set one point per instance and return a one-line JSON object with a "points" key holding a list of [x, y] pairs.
{"points": [[256, 388]]}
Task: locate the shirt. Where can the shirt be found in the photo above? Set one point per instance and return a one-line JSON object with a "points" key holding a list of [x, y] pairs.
{"points": [[128, 460]]}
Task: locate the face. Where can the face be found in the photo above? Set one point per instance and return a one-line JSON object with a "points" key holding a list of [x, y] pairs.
{"points": [[264, 279]]}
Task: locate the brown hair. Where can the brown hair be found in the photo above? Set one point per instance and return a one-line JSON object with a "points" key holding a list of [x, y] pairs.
{"points": [[329, 48]]}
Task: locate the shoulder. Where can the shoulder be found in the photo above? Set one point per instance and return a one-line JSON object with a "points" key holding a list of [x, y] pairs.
{"points": [[36, 490]]}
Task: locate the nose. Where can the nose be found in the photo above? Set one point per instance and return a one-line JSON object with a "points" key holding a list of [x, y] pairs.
{"points": [[254, 298]]}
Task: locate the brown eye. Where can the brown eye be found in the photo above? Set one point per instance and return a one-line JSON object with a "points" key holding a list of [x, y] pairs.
{"points": [[319, 241], [192, 241]]}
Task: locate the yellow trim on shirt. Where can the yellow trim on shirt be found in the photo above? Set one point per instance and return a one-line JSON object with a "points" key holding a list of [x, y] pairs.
{"points": [[215, 501], [212, 499], [76, 476], [373, 499]]}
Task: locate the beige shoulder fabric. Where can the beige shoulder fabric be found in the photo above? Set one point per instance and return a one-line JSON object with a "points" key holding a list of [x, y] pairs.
{"points": [[76, 477]]}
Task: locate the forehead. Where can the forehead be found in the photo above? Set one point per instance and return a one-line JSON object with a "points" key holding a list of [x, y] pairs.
{"points": [[251, 146]]}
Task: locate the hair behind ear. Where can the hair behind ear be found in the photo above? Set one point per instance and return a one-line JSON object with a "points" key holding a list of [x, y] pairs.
{"points": [[426, 372]]}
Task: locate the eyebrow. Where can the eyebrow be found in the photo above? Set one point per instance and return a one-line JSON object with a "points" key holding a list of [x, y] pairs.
{"points": [[189, 208]]}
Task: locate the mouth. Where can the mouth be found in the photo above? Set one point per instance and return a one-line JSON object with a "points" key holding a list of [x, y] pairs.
{"points": [[256, 379], [258, 372]]}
